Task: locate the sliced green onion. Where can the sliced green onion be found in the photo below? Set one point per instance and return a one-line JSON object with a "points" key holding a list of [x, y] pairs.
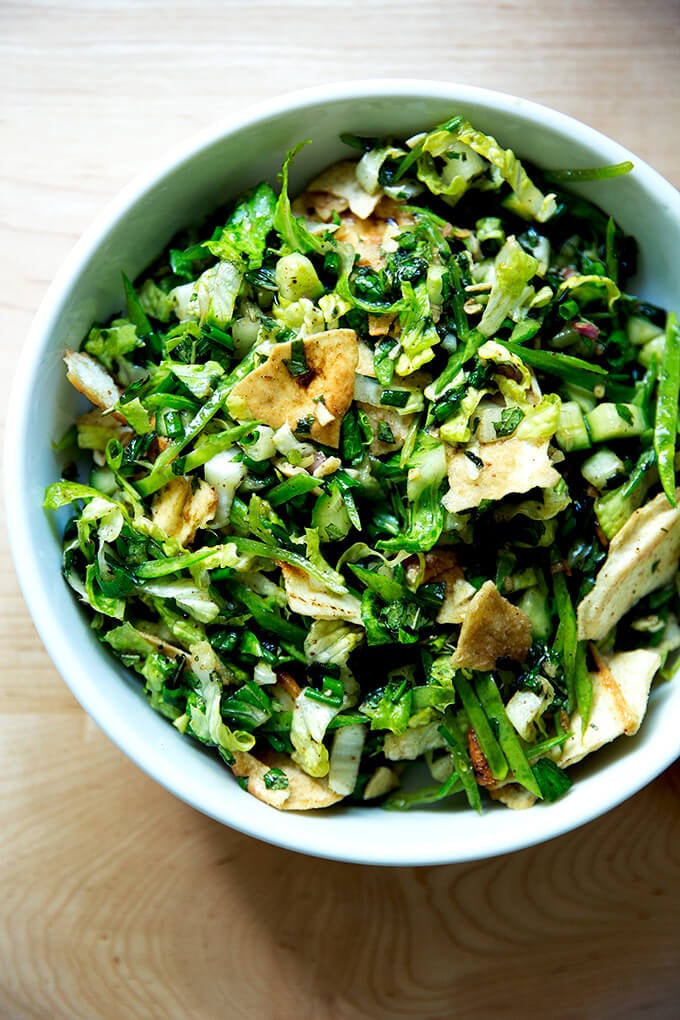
{"points": [[491, 701], [480, 724], [276, 779], [298, 485], [565, 366], [297, 363], [462, 764], [595, 173], [401, 801], [666, 421], [395, 398]]}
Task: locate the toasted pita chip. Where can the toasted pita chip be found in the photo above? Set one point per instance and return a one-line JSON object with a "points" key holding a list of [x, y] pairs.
{"points": [[442, 565], [642, 556], [633, 672], [303, 792], [620, 694], [370, 238], [398, 424], [181, 508], [92, 380], [510, 465], [318, 205], [513, 796], [366, 362], [274, 396], [341, 179], [492, 629], [310, 599], [379, 325]]}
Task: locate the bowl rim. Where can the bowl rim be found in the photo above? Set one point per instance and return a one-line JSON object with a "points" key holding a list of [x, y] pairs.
{"points": [[25, 557]]}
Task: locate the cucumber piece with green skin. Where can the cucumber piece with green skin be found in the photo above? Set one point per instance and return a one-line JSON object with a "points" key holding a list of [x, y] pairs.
{"points": [[572, 430], [585, 399], [601, 467], [640, 330], [615, 421], [534, 603], [330, 515], [103, 478], [614, 508], [653, 349]]}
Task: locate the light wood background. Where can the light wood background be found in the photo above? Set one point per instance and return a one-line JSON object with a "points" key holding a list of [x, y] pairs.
{"points": [[118, 901]]}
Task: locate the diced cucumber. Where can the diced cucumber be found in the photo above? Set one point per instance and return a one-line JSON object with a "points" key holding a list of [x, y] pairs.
{"points": [[534, 602], [296, 278], [641, 331], [653, 349], [614, 508], [615, 421], [330, 515], [583, 397], [572, 429], [103, 479], [602, 467]]}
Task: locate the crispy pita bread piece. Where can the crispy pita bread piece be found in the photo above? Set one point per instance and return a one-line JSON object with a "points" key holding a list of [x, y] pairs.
{"points": [[318, 206], [181, 507], [340, 180], [310, 599], [92, 380], [380, 324], [492, 629], [642, 556], [513, 796], [399, 426], [442, 565], [274, 396], [375, 235], [303, 793], [509, 465], [620, 694], [366, 360]]}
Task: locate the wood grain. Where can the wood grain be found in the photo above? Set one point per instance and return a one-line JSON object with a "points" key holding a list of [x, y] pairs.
{"points": [[118, 901]]}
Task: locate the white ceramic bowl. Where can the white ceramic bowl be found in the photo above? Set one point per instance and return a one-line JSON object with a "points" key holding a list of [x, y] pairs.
{"points": [[195, 178]]}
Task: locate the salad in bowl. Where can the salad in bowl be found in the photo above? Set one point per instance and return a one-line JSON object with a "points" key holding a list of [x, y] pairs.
{"points": [[384, 473]]}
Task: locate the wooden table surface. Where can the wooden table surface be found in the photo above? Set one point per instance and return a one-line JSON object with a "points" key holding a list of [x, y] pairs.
{"points": [[116, 900]]}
